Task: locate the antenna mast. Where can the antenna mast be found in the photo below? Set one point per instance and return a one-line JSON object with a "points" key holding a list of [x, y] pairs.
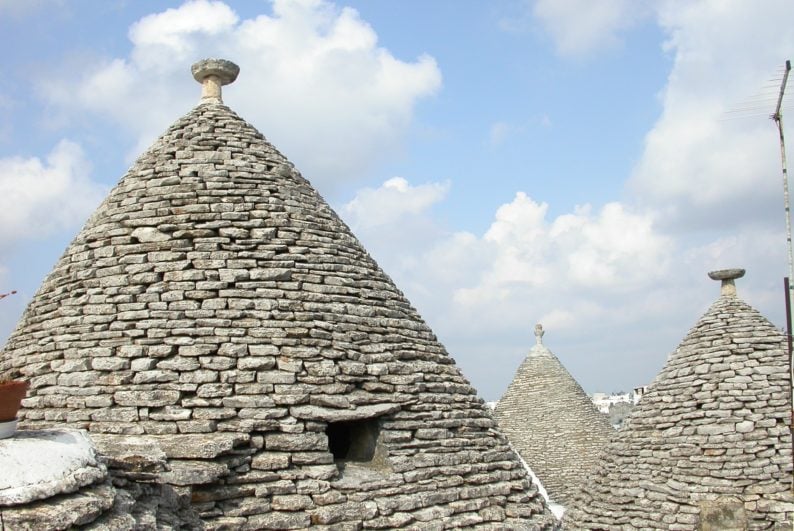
{"points": [[778, 118], [789, 281]]}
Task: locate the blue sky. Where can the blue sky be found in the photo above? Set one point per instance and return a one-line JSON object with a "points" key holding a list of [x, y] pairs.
{"points": [[572, 162]]}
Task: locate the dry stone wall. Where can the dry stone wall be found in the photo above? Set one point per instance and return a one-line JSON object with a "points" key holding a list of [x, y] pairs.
{"points": [[215, 309], [709, 444], [552, 423]]}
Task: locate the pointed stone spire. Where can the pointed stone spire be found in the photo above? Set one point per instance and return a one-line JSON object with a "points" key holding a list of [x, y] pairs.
{"points": [[727, 276], [213, 74], [543, 406], [539, 349], [539, 334]]}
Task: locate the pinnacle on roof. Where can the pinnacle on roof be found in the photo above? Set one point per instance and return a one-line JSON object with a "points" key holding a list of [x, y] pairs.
{"points": [[710, 440], [551, 422], [214, 74], [216, 310], [727, 278], [539, 349]]}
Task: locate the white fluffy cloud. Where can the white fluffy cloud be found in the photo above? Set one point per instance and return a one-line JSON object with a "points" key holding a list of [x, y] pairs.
{"points": [[396, 224], [590, 254], [313, 78], [610, 287], [583, 27], [582, 274], [704, 165], [700, 167], [391, 202], [567, 270], [38, 198]]}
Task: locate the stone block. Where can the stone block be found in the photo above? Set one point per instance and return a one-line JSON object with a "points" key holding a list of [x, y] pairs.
{"points": [[147, 398], [296, 442], [65, 461]]}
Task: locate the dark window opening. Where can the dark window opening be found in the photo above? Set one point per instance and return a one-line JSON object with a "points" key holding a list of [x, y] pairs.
{"points": [[355, 441]]}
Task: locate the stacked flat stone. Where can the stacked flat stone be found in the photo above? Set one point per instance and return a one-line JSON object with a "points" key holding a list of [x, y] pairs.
{"points": [[55, 480], [709, 445], [552, 423], [215, 310]]}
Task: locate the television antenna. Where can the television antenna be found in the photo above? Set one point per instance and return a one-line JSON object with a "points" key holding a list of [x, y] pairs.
{"points": [[778, 118]]}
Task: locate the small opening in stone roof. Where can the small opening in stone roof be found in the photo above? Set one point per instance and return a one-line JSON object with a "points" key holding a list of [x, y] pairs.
{"points": [[357, 442], [352, 440]]}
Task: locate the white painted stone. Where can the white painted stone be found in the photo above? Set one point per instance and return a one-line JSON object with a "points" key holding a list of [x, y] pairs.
{"points": [[40, 464]]}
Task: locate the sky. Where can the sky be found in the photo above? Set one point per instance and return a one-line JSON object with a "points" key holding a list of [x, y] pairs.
{"points": [[576, 163]]}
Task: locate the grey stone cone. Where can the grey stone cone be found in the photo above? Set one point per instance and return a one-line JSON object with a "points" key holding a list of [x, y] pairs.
{"points": [[709, 444], [552, 423], [216, 311]]}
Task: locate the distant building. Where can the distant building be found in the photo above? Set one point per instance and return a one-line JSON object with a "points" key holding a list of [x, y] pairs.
{"points": [[603, 401], [637, 394]]}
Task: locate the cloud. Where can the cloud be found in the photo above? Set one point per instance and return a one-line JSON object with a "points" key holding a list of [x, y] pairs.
{"points": [[698, 169], [613, 290], [588, 272], [612, 250], [391, 202], [583, 27], [396, 225], [313, 78], [592, 254], [39, 198]]}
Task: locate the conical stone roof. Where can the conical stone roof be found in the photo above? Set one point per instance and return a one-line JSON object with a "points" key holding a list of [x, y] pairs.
{"points": [[215, 308], [552, 423], [709, 445]]}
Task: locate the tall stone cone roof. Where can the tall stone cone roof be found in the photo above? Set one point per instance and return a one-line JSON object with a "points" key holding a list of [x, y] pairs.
{"points": [[709, 444], [552, 423], [216, 308]]}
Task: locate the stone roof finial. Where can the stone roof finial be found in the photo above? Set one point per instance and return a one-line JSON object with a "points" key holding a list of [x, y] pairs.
{"points": [[539, 349], [539, 333], [727, 276], [213, 74]]}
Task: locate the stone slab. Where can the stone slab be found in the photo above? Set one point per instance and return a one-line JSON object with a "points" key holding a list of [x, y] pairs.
{"points": [[40, 464]]}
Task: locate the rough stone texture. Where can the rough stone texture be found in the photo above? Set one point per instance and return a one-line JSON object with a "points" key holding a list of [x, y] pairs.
{"points": [[245, 309], [77, 491], [40, 464], [709, 444], [60, 512], [552, 423]]}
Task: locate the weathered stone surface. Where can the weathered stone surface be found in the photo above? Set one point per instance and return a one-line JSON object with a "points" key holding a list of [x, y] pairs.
{"points": [[551, 422], [60, 512], [39, 464], [138, 455], [326, 414], [217, 291], [204, 446], [184, 472], [709, 444]]}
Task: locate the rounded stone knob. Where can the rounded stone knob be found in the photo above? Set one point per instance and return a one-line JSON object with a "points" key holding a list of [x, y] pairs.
{"points": [[727, 277], [213, 74]]}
